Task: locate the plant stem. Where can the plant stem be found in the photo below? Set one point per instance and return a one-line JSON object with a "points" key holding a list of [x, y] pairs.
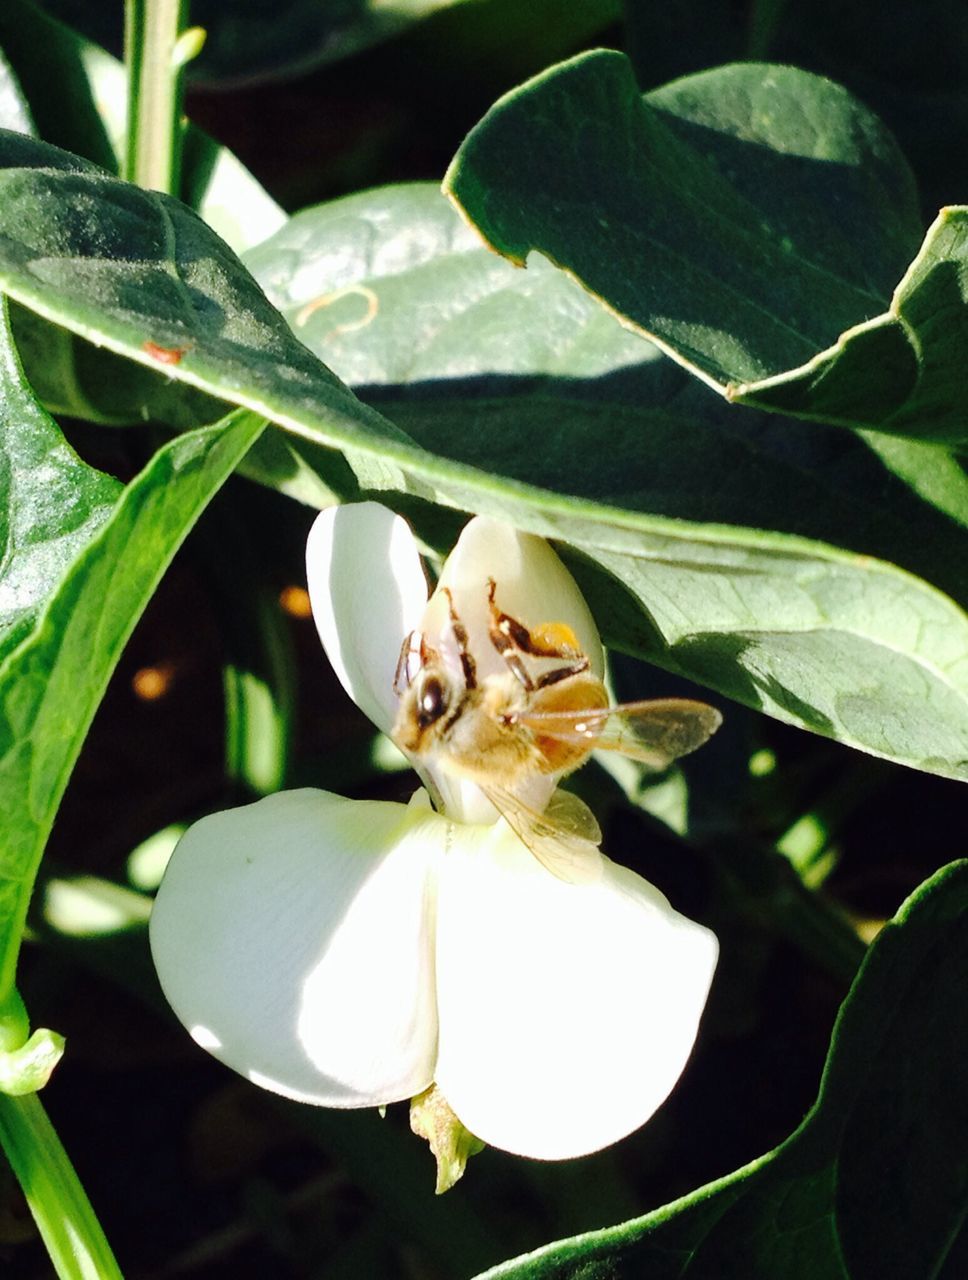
{"points": [[69, 1226], [152, 33]]}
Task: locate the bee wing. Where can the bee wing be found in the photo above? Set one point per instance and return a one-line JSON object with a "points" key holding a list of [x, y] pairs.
{"points": [[655, 732], [564, 838]]}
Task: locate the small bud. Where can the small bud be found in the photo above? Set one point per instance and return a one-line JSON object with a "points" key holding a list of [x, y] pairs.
{"points": [[451, 1144], [27, 1069]]}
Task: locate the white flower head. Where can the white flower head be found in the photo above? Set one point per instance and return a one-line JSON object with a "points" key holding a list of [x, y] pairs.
{"points": [[353, 953]]}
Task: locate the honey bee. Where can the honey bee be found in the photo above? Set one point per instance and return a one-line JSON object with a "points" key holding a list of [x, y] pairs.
{"points": [[534, 719]]}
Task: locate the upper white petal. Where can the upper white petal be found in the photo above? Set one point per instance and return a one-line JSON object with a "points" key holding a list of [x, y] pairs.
{"points": [[533, 586], [566, 1012], [294, 938], [368, 592]]}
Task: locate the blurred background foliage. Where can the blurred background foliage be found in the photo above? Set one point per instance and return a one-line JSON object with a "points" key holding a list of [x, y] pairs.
{"points": [[193, 1172]]}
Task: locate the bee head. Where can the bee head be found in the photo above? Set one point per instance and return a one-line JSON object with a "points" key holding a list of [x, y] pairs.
{"points": [[425, 709], [432, 698]]}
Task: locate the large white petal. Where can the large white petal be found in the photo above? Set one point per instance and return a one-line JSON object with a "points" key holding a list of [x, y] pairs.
{"points": [[566, 1012], [532, 585], [294, 938], [368, 592]]}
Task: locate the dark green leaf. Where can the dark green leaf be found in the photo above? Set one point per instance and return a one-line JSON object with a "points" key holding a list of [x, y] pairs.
{"points": [[901, 372], [52, 681], [753, 219], [139, 273], [78, 95], [907, 62], [874, 1184], [743, 216], [522, 374], [931, 471], [51, 504], [844, 644]]}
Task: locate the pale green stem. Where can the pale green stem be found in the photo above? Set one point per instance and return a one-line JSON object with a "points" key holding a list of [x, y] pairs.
{"points": [[156, 50], [62, 1211]]}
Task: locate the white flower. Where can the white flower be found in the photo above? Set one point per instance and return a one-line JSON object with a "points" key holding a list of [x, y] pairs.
{"points": [[351, 953]]}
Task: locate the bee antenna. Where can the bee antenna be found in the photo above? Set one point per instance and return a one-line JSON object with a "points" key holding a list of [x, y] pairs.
{"points": [[467, 663]]}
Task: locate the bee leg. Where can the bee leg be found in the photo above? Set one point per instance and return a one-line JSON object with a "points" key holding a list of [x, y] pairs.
{"points": [[562, 673], [401, 677], [468, 666], [414, 645], [552, 640]]}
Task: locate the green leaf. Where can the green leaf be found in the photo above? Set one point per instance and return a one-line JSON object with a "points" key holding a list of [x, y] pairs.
{"points": [[51, 504], [874, 1184], [52, 681], [78, 96], [929, 470], [743, 216], [828, 638], [522, 374], [141, 274], [754, 220], [907, 63], [901, 372], [499, 353]]}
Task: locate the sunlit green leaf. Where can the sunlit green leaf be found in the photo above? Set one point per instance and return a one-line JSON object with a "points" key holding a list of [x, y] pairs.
{"points": [[874, 1184], [826, 637], [113, 248], [77, 93], [51, 504], [753, 219], [522, 373], [902, 371]]}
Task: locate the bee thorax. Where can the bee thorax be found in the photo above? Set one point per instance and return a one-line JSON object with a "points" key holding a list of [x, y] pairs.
{"points": [[484, 743]]}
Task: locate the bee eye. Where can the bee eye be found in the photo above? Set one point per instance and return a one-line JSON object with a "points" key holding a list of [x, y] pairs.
{"points": [[432, 701]]}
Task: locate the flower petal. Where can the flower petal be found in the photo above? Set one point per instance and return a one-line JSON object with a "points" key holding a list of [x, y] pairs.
{"points": [[294, 938], [368, 592], [532, 586], [567, 1012]]}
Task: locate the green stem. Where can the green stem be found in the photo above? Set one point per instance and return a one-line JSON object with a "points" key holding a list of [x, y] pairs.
{"points": [[156, 50], [62, 1211]]}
